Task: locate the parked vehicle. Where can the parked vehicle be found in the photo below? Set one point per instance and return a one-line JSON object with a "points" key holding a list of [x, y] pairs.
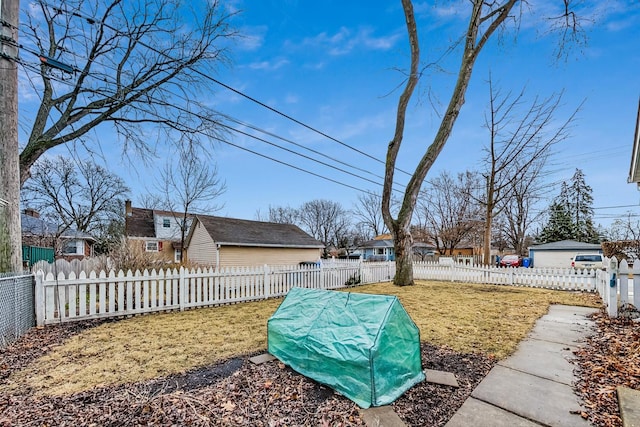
{"points": [[581, 261], [510, 261]]}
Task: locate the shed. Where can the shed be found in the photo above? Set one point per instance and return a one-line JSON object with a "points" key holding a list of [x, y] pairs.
{"points": [[364, 346], [560, 254]]}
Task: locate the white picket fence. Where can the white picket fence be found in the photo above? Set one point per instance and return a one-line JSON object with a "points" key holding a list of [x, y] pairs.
{"points": [[87, 296], [566, 279], [71, 298], [619, 285]]}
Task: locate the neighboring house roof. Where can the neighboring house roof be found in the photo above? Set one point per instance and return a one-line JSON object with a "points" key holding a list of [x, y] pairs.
{"points": [[140, 223], [566, 245], [39, 227], [634, 169], [75, 234], [388, 243], [36, 226], [242, 232], [376, 243]]}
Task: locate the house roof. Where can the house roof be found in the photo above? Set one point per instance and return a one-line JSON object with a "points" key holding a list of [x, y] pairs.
{"points": [[139, 223], [376, 243], [36, 226], [243, 232], [634, 169], [39, 227], [566, 245], [75, 234]]}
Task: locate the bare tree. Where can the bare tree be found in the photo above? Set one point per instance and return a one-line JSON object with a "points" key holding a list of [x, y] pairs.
{"points": [[325, 220], [368, 215], [484, 19], [189, 187], [284, 215], [517, 212], [447, 213], [75, 194], [123, 64], [520, 140]]}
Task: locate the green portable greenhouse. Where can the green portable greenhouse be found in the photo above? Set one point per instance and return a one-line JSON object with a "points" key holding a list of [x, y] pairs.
{"points": [[366, 347]]}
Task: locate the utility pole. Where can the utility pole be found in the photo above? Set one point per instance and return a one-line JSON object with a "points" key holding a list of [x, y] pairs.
{"points": [[10, 230]]}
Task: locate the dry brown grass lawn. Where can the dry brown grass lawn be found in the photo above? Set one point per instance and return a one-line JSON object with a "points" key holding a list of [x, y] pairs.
{"points": [[468, 318]]}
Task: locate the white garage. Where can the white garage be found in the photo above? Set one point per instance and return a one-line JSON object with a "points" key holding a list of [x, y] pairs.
{"points": [[560, 254]]}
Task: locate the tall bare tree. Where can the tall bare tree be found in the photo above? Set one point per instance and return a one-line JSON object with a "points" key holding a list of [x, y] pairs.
{"points": [[368, 214], [188, 186], [518, 211], [325, 220], [75, 194], [124, 65], [521, 136], [485, 18], [446, 213]]}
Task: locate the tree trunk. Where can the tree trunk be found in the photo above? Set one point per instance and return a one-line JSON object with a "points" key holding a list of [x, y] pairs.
{"points": [[403, 244], [10, 230]]}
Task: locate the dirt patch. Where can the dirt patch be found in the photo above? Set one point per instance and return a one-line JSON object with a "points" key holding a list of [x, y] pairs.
{"points": [[234, 392]]}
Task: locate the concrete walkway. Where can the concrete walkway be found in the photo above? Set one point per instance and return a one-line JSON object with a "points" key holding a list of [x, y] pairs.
{"points": [[533, 386]]}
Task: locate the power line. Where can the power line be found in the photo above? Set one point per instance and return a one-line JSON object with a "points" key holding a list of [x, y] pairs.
{"points": [[260, 154], [94, 21]]}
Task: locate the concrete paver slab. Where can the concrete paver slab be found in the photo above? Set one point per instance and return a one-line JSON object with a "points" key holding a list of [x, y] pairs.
{"points": [[262, 358], [569, 314], [549, 402], [629, 402], [480, 414], [570, 334], [381, 416], [544, 359], [441, 377]]}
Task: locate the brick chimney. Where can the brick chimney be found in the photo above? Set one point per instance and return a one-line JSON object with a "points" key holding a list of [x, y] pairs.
{"points": [[127, 208], [32, 212]]}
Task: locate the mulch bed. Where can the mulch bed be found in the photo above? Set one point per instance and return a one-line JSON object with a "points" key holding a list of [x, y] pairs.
{"points": [[236, 392], [610, 358], [232, 393]]}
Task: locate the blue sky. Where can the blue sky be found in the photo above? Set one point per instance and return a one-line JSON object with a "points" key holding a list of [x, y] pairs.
{"points": [[336, 66]]}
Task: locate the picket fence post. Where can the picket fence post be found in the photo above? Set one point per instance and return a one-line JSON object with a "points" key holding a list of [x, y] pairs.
{"points": [[266, 281], [612, 292], [39, 298], [623, 274], [636, 284], [182, 285]]}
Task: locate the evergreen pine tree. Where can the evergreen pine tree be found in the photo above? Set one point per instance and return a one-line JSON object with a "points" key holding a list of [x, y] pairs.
{"points": [[571, 213]]}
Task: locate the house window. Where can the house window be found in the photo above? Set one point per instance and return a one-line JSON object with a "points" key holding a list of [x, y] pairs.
{"points": [[70, 248], [379, 251], [166, 223], [151, 247], [178, 255]]}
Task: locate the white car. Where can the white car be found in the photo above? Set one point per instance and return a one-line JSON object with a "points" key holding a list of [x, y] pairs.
{"points": [[591, 261]]}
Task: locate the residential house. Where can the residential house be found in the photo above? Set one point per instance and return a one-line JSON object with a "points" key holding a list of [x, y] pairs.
{"points": [[155, 232], [226, 242], [68, 243], [560, 254], [381, 249]]}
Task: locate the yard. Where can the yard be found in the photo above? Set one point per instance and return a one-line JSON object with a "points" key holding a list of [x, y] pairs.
{"points": [[191, 367]]}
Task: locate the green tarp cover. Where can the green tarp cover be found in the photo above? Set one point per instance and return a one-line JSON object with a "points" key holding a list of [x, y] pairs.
{"points": [[366, 347]]}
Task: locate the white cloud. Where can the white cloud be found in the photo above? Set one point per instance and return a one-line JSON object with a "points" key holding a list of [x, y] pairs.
{"points": [[268, 65], [346, 41], [251, 38]]}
